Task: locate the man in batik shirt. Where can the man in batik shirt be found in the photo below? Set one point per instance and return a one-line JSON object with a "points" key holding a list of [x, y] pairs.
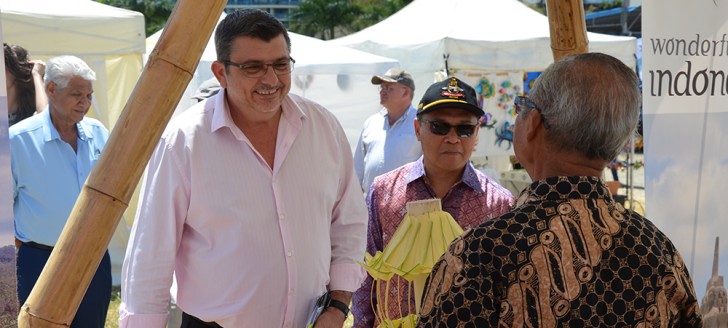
{"points": [[447, 128], [567, 255]]}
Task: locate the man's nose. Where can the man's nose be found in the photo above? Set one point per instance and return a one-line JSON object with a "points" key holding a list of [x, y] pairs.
{"points": [[270, 74]]}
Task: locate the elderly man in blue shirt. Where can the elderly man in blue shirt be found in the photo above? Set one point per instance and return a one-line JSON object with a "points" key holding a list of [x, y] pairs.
{"points": [[52, 154]]}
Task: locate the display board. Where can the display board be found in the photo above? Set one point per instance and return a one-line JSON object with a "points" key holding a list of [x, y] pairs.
{"points": [[685, 111]]}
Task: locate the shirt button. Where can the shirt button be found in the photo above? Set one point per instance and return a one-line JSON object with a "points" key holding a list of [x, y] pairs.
{"points": [[290, 291], [289, 253]]}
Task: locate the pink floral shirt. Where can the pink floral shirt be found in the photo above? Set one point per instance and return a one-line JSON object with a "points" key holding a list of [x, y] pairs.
{"points": [[475, 200]]}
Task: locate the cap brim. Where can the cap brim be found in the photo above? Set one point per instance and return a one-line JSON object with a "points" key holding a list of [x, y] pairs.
{"points": [[455, 104], [376, 79]]}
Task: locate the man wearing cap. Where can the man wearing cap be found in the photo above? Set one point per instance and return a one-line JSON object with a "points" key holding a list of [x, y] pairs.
{"points": [[388, 140], [446, 125]]}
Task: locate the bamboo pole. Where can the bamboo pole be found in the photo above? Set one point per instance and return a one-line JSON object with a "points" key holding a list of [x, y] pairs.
{"points": [[567, 28], [61, 286]]}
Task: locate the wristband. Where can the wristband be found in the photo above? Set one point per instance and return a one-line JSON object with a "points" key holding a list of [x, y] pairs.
{"points": [[340, 306]]}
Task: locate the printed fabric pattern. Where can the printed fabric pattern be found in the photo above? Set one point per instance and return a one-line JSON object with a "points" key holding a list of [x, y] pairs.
{"points": [[567, 255]]}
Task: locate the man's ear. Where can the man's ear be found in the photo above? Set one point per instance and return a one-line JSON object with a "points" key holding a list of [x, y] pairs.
{"points": [[417, 128], [50, 88], [218, 69], [533, 124]]}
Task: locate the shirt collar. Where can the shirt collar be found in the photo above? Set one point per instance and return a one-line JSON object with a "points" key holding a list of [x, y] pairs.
{"points": [[417, 171], [50, 132], [563, 188], [407, 115], [470, 177], [221, 117]]}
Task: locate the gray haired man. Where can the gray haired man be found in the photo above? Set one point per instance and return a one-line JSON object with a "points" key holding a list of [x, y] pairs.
{"points": [[388, 139], [52, 154], [567, 255]]}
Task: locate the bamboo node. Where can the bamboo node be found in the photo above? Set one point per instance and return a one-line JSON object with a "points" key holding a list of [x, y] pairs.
{"points": [[26, 309]]}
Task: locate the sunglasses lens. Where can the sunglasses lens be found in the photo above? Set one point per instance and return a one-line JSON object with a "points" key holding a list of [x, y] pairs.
{"points": [[439, 128], [465, 131], [442, 129]]}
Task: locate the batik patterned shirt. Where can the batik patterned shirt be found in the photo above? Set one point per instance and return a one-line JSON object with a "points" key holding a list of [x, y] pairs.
{"points": [[568, 255], [472, 201]]}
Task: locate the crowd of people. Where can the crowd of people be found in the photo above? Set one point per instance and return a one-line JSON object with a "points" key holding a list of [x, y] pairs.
{"points": [[255, 205]]}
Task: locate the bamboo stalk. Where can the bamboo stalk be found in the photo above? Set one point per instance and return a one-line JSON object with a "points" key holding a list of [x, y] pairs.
{"points": [[567, 28], [108, 189]]}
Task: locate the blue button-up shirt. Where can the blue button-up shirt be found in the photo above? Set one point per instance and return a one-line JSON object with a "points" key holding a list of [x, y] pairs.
{"points": [[383, 148], [48, 174]]}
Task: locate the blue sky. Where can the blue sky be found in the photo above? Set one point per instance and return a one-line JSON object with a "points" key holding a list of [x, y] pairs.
{"points": [[680, 186]]}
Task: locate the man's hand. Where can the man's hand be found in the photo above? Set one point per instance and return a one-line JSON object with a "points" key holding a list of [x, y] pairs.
{"points": [[38, 68], [333, 317]]}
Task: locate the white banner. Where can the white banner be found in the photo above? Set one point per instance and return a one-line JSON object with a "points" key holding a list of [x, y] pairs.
{"points": [[685, 90], [496, 92]]}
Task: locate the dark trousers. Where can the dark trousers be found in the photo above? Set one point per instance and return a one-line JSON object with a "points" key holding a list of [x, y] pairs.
{"points": [[92, 311], [189, 321]]}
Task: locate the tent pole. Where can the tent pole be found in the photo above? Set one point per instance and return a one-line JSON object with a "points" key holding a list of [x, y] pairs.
{"points": [[54, 300], [567, 28]]}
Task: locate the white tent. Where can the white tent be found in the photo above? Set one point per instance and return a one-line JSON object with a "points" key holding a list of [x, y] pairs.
{"points": [[497, 40], [493, 35], [336, 77], [109, 39]]}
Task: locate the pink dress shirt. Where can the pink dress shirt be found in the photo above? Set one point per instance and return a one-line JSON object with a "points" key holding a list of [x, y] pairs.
{"points": [[249, 246]]}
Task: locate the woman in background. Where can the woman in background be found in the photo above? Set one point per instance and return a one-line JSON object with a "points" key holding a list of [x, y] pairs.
{"points": [[24, 81]]}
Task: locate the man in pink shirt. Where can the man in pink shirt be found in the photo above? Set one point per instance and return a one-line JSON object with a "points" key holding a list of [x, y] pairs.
{"points": [[250, 200], [447, 128]]}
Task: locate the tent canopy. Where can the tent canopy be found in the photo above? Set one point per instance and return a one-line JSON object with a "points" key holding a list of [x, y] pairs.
{"points": [[78, 27], [492, 43], [477, 35], [313, 56], [109, 39]]}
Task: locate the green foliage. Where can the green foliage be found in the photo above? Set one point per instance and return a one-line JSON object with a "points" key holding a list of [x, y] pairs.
{"points": [[322, 18], [603, 6], [374, 11], [327, 19], [588, 8], [155, 12]]}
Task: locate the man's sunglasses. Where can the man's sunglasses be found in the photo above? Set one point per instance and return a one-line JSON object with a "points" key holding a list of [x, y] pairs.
{"points": [[442, 129]]}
